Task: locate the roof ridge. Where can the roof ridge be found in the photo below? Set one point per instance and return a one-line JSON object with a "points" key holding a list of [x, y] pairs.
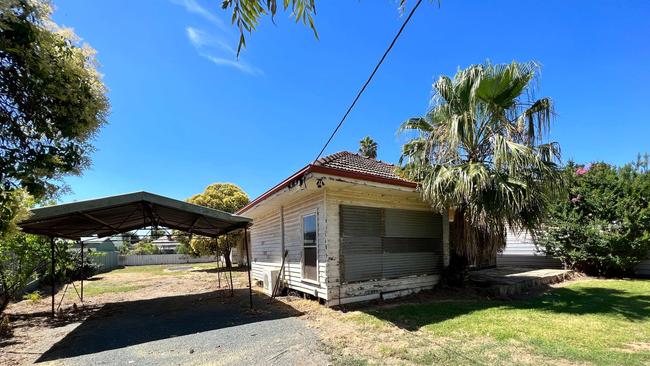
{"points": [[328, 158]]}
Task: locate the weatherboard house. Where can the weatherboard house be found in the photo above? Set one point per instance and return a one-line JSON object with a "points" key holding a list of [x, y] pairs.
{"points": [[352, 230]]}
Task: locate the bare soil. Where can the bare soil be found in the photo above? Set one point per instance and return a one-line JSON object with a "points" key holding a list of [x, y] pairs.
{"points": [[34, 331]]}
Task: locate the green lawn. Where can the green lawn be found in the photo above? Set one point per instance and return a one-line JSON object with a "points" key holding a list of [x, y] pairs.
{"points": [[602, 322], [161, 269], [98, 288]]}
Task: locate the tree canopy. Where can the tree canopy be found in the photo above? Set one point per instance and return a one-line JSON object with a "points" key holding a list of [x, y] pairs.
{"points": [[225, 197], [368, 147], [481, 151], [52, 102]]}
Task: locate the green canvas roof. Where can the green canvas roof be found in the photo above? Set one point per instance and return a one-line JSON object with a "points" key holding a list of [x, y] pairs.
{"points": [[118, 214]]}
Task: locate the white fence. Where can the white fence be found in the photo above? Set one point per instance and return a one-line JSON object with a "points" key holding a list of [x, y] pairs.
{"points": [[145, 260]]}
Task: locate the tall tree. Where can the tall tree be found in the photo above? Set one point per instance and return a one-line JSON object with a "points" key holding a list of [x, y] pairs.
{"points": [[225, 197], [52, 102], [368, 147], [481, 155]]}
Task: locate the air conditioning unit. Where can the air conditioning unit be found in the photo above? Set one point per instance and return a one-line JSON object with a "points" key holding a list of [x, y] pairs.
{"points": [[270, 279]]}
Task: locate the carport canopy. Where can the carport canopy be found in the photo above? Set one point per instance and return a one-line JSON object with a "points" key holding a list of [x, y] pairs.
{"points": [[126, 212], [122, 213]]}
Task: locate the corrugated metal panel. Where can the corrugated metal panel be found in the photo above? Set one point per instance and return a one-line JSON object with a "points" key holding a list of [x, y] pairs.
{"points": [[361, 247], [411, 256], [411, 243], [357, 221], [412, 224]]}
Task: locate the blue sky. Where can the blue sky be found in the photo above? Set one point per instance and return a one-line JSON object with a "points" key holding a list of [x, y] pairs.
{"points": [[185, 113]]}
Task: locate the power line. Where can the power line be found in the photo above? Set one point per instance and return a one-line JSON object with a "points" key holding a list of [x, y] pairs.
{"points": [[374, 71]]}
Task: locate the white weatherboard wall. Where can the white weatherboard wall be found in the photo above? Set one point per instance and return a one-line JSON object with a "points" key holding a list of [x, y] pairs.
{"points": [[281, 226], [359, 194], [520, 251]]}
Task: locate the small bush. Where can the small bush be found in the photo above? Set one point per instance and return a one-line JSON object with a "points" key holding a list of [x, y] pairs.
{"points": [[33, 297], [144, 248], [602, 227]]}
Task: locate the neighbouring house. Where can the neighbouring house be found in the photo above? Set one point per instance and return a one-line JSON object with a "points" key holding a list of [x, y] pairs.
{"points": [[105, 244], [166, 244], [521, 251], [353, 231]]}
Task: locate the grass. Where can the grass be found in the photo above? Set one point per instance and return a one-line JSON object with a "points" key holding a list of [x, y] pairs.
{"points": [[99, 288], [161, 270], [601, 322]]}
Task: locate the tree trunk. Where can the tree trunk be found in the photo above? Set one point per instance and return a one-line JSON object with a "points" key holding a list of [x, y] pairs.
{"points": [[226, 256], [471, 248]]}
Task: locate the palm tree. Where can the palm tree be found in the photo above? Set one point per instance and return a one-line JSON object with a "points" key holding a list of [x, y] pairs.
{"points": [[368, 147], [480, 155]]}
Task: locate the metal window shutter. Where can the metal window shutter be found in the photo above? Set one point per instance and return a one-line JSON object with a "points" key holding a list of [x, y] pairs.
{"points": [[412, 224], [412, 243], [389, 243], [361, 246]]}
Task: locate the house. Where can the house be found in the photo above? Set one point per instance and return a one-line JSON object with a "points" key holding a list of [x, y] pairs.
{"points": [[353, 231], [105, 244], [166, 244], [521, 251]]}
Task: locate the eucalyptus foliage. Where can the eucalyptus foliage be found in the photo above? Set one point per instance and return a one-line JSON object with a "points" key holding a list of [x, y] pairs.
{"points": [[52, 102], [481, 150], [246, 14], [226, 197]]}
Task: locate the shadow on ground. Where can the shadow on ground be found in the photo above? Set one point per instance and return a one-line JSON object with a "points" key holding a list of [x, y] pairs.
{"points": [[123, 324], [581, 301]]}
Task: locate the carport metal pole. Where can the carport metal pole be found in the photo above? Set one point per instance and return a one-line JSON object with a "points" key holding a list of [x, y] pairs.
{"points": [[53, 265], [248, 262], [82, 270]]}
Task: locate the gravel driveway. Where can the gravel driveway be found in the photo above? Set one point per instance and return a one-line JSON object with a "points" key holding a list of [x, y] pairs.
{"points": [[199, 329]]}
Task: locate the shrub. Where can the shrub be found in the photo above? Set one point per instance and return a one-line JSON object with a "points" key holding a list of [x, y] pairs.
{"points": [[144, 248], [33, 296], [602, 227]]}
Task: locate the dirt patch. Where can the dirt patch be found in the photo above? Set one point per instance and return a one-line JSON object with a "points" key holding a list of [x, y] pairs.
{"points": [[637, 347], [34, 331]]}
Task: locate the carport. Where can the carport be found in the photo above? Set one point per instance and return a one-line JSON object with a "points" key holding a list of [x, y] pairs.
{"points": [[123, 213]]}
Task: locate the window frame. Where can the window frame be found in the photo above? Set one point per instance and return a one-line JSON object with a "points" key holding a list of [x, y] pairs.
{"points": [[302, 245]]}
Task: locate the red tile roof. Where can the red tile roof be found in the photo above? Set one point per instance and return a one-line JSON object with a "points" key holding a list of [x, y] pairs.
{"points": [[342, 164], [351, 162]]}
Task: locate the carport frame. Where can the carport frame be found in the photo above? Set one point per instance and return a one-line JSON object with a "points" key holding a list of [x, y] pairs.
{"points": [[107, 216]]}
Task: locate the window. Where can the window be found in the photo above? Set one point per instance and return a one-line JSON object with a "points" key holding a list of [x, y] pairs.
{"points": [[310, 248]]}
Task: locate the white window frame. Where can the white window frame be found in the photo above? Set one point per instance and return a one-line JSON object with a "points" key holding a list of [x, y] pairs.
{"points": [[302, 245]]}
